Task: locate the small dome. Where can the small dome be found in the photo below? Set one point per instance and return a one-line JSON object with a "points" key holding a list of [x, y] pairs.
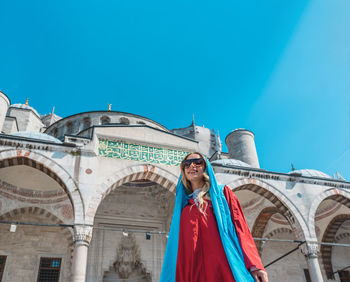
{"points": [[310, 173], [24, 106], [37, 135], [229, 162]]}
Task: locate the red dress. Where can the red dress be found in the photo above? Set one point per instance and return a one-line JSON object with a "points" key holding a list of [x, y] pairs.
{"points": [[201, 256]]}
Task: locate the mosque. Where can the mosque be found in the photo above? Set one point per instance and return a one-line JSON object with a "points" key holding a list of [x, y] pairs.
{"points": [[89, 197]]}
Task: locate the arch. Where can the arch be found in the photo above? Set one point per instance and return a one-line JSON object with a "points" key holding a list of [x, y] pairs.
{"points": [[274, 232], [65, 234], [342, 236], [69, 127], [341, 196], [52, 169], [260, 224], [105, 120], [329, 237], [42, 212], [281, 202], [132, 173], [277, 231], [124, 120], [55, 132], [86, 122]]}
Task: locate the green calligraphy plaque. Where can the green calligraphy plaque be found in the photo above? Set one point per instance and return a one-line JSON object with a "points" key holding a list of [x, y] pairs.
{"points": [[135, 152]]}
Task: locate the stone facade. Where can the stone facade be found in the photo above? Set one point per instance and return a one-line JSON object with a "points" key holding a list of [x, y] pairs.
{"points": [[108, 180], [28, 244]]}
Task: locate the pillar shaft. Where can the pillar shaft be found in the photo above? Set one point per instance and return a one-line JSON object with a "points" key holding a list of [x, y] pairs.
{"points": [[314, 268], [310, 251], [82, 238], [79, 263]]}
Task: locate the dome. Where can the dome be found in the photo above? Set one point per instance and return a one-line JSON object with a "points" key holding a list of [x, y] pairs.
{"points": [[23, 106], [37, 135], [310, 173], [229, 162]]}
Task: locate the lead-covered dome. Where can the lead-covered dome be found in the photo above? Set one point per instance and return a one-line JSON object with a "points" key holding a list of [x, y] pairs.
{"points": [[231, 162], [37, 136], [310, 173], [24, 106]]}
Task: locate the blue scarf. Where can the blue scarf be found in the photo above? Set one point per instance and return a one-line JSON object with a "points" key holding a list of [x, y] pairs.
{"points": [[227, 232]]}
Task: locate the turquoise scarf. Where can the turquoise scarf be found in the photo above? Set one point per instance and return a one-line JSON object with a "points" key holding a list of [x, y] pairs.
{"points": [[226, 229]]}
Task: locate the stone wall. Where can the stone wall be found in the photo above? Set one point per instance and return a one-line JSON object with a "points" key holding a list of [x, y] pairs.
{"points": [[10, 125], [4, 104], [27, 120], [24, 248], [141, 206], [289, 269]]}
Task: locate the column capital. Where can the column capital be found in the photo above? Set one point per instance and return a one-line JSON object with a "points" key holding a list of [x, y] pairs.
{"points": [[310, 249], [82, 235]]}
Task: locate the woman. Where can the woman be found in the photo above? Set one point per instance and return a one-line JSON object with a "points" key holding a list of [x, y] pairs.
{"points": [[209, 239]]}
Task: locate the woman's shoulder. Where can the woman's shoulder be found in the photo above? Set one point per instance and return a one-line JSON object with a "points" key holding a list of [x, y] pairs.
{"points": [[229, 193]]}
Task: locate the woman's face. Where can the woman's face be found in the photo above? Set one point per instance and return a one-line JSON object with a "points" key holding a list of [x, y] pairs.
{"points": [[194, 170]]}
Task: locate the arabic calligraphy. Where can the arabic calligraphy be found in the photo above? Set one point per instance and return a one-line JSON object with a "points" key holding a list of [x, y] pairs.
{"points": [[142, 153]]}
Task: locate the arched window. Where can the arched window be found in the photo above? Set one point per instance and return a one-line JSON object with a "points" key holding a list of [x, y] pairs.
{"points": [[124, 120], [54, 132], [86, 122], [105, 120], [69, 127]]}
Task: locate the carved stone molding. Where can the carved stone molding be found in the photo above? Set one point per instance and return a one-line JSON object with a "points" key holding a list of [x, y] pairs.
{"points": [[310, 250], [82, 235]]}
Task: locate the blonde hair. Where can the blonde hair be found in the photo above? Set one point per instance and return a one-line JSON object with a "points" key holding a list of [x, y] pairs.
{"points": [[202, 205]]}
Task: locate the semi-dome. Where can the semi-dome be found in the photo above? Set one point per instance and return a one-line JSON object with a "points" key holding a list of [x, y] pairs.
{"points": [[24, 106], [37, 135], [79, 124], [310, 173], [229, 162]]}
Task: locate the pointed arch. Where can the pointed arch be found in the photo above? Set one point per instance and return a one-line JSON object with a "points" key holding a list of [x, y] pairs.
{"points": [[139, 172], [279, 230], [260, 225], [52, 169], [339, 195], [329, 237], [68, 233], [280, 201]]}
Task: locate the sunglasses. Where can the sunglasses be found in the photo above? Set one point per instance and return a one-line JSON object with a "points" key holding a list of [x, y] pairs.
{"points": [[196, 162]]}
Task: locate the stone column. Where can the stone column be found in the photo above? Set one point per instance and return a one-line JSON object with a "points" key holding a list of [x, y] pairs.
{"points": [[82, 238], [310, 251]]}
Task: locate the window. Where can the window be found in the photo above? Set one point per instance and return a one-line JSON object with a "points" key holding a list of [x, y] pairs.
{"points": [[344, 275], [54, 132], [86, 122], [2, 266], [307, 275], [49, 269], [105, 120], [69, 127], [124, 120]]}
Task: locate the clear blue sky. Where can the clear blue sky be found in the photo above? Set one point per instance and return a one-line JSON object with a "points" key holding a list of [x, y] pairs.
{"points": [[278, 68]]}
